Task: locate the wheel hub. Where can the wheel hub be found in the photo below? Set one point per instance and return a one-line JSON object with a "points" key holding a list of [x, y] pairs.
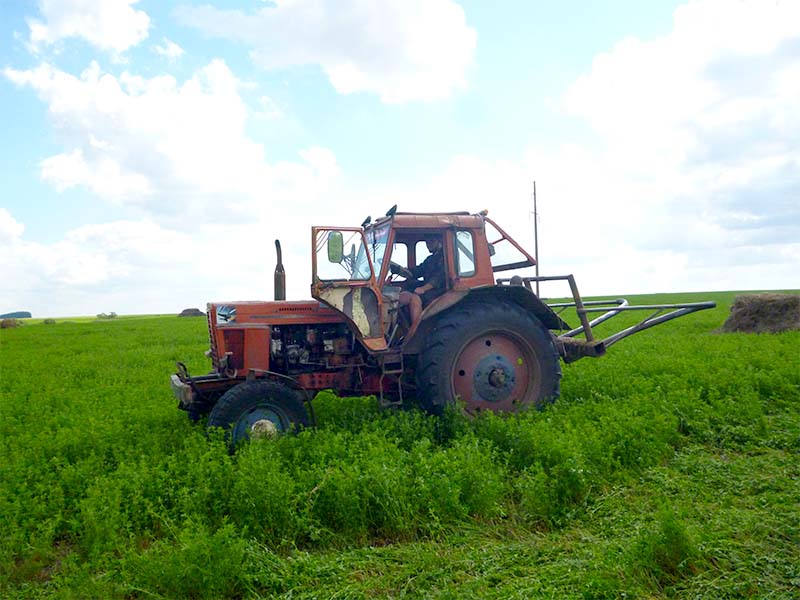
{"points": [[497, 377], [494, 378], [263, 428], [495, 371], [260, 422]]}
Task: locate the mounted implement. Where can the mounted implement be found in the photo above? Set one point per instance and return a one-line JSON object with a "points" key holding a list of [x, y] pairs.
{"points": [[407, 306]]}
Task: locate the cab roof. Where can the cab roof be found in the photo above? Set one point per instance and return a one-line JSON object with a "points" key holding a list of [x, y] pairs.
{"points": [[433, 220]]}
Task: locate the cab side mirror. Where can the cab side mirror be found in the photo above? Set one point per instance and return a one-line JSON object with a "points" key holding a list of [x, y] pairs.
{"points": [[335, 247]]}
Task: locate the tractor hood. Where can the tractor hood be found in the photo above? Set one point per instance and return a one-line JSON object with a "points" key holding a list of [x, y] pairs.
{"points": [[255, 313]]}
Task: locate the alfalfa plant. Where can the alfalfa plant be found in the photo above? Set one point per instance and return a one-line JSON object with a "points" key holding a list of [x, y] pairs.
{"points": [[666, 552]]}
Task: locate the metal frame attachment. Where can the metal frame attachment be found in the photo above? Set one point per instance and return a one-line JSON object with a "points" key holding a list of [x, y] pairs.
{"points": [[574, 348]]}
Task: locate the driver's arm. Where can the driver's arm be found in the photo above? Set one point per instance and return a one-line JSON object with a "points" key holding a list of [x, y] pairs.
{"points": [[416, 270], [435, 280]]}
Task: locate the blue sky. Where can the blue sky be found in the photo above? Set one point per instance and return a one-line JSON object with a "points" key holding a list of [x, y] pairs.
{"points": [[154, 150]]}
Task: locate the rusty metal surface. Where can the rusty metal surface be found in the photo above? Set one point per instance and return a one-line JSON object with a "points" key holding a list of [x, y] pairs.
{"points": [[434, 220], [571, 349], [360, 304], [240, 331], [522, 297], [263, 313], [496, 371]]}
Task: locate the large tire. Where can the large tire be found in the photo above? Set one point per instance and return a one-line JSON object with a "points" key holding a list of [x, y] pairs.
{"points": [[489, 356], [257, 409]]}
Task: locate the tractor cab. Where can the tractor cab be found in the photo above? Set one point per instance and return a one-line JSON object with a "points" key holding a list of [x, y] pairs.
{"points": [[363, 271]]}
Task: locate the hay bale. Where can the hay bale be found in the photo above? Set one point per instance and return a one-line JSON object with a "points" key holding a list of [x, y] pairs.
{"points": [[192, 312], [9, 323], [49, 321], [763, 313]]}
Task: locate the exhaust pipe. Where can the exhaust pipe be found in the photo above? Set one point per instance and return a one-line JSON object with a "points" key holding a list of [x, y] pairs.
{"points": [[280, 275]]}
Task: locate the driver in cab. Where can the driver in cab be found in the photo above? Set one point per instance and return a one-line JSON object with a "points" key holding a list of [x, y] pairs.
{"points": [[431, 272]]}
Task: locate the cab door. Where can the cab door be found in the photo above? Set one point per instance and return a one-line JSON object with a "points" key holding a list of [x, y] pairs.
{"points": [[344, 278]]}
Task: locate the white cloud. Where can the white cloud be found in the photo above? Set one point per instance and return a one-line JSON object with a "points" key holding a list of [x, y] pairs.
{"points": [[402, 50], [94, 268], [205, 201], [10, 228], [692, 182], [112, 25], [692, 178], [727, 73], [142, 267], [268, 109], [174, 151], [616, 235], [169, 50], [104, 176], [699, 145]]}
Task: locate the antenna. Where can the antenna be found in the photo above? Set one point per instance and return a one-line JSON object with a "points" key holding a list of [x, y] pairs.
{"points": [[536, 236]]}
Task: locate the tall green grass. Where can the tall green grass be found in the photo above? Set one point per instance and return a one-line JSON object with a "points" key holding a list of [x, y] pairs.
{"points": [[667, 467]]}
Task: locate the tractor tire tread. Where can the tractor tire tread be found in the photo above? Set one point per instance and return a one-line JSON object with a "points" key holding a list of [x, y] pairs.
{"points": [[432, 391], [236, 401]]}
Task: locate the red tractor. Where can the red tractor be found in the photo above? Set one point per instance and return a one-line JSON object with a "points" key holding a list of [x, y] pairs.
{"points": [[489, 343]]}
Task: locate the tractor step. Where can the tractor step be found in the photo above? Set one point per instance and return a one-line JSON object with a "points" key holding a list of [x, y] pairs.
{"points": [[391, 364]]}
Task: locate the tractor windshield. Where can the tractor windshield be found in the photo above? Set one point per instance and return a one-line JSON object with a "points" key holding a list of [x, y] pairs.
{"points": [[376, 245]]}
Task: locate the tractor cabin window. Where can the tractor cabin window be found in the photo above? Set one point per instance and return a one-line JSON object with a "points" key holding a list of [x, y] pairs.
{"points": [[342, 256], [400, 254], [504, 256], [420, 252], [465, 254]]}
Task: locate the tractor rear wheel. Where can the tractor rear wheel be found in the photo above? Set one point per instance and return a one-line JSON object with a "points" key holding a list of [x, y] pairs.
{"points": [[494, 357], [257, 409]]}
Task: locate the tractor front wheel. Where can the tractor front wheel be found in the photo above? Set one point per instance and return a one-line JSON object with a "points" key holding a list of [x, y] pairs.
{"points": [[257, 409], [494, 357]]}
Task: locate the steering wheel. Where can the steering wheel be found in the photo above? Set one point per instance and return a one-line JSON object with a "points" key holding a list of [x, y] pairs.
{"points": [[400, 270]]}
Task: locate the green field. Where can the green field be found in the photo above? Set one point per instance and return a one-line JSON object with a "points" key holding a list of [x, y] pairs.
{"points": [[668, 468]]}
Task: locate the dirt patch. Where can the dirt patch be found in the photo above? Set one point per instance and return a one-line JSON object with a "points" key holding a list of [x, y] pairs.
{"points": [[192, 312], [763, 313]]}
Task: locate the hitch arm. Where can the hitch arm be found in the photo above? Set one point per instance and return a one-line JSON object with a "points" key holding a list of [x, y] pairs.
{"points": [[657, 318]]}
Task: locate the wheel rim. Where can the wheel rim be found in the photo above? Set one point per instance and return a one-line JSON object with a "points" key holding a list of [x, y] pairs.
{"points": [[496, 370], [261, 422]]}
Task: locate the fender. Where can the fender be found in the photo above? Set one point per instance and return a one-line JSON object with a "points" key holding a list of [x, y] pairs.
{"points": [[495, 293]]}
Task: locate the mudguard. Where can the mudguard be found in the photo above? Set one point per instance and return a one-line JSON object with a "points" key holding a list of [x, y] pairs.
{"points": [[488, 294]]}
